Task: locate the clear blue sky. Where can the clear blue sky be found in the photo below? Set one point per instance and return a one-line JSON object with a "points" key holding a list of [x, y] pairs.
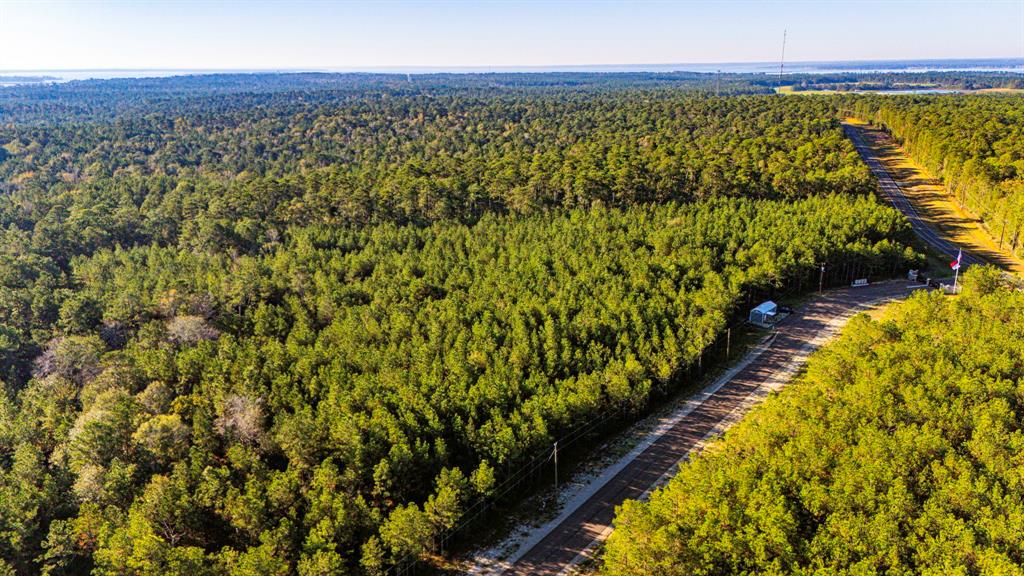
{"points": [[316, 34]]}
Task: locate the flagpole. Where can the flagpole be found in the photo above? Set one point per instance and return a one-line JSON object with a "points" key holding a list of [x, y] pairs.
{"points": [[956, 271]]}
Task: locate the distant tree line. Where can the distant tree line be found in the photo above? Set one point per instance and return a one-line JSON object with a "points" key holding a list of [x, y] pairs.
{"points": [[895, 80], [106, 100]]}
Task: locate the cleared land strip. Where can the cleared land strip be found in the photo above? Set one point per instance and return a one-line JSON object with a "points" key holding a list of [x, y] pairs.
{"points": [[559, 545], [931, 211]]}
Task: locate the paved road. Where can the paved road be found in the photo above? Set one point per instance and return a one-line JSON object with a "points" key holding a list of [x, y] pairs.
{"points": [[796, 336], [892, 192]]}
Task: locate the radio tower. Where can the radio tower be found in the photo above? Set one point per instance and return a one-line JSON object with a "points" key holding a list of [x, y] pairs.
{"points": [[782, 59]]}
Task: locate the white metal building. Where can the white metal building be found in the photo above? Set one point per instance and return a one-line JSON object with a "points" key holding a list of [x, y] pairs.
{"points": [[764, 314]]}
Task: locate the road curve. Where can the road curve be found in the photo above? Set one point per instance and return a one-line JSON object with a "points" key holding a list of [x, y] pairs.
{"points": [[562, 546]]}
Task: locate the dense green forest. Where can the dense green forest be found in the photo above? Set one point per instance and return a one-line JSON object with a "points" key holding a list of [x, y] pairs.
{"points": [[974, 143], [104, 100], [899, 451], [238, 177], [234, 178], [199, 412], [297, 329]]}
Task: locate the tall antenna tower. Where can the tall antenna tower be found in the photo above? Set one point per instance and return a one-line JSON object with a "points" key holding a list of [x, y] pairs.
{"points": [[782, 58], [718, 83]]}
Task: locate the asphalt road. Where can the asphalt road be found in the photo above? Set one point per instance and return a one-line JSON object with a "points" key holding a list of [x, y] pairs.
{"points": [[796, 335], [892, 192]]}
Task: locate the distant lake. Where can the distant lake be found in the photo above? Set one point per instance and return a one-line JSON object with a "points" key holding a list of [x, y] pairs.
{"points": [[107, 74]]}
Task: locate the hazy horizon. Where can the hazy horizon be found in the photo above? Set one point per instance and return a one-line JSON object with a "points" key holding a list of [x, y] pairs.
{"points": [[240, 35], [696, 66], [1013, 65]]}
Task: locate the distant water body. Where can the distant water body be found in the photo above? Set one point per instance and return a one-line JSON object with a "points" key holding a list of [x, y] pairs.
{"points": [[1013, 65]]}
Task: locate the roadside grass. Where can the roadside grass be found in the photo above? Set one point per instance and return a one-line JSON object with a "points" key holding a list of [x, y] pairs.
{"points": [[937, 207], [937, 264]]}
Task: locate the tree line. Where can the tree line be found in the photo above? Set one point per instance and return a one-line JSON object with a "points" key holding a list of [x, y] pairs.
{"points": [[867, 81], [88, 101]]}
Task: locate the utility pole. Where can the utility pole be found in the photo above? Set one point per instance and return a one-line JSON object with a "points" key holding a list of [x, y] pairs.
{"points": [[821, 279], [556, 472], [728, 341]]}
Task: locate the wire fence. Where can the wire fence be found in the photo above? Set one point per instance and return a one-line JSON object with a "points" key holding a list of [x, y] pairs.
{"points": [[541, 468]]}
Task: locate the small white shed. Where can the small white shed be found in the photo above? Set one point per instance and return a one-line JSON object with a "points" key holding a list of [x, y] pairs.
{"points": [[764, 314]]}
